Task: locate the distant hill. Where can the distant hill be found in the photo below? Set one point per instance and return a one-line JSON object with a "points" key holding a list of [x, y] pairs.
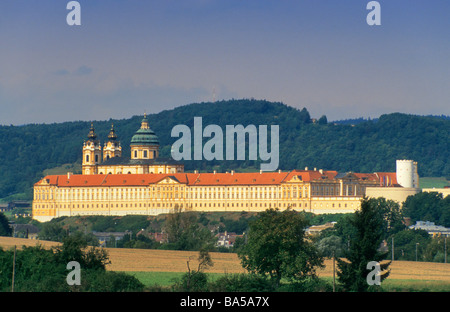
{"points": [[363, 146]]}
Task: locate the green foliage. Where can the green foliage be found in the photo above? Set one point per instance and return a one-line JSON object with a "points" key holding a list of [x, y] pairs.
{"points": [[391, 223], [5, 230], [45, 270], [428, 206], [331, 246], [405, 244], [308, 285], [196, 280], [435, 250], [52, 231], [186, 233], [242, 283], [193, 281], [369, 146], [74, 248], [135, 241], [132, 223], [110, 281], [235, 226], [368, 232], [391, 215], [276, 246]]}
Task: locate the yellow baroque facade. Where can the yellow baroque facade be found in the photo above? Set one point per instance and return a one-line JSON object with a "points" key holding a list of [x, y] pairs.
{"points": [[152, 194], [145, 184]]}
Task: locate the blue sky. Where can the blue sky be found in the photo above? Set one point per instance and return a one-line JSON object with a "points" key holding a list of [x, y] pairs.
{"points": [[132, 56]]}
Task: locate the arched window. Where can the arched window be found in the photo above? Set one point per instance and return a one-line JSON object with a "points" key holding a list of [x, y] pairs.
{"points": [[87, 158]]}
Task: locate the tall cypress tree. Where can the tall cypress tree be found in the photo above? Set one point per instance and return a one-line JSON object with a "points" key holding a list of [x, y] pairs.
{"points": [[363, 248]]}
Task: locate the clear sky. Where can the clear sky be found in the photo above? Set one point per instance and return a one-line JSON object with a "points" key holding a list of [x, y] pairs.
{"points": [[133, 56]]}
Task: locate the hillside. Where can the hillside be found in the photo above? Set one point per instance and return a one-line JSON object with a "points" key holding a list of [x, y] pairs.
{"points": [[368, 146]]}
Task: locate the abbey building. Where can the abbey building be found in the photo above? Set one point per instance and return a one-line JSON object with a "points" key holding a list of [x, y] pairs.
{"points": [[144, 156], [144, 184]]}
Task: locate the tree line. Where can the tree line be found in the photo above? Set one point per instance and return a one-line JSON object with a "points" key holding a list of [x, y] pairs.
{"points": [[367, 146], [36, 269]]}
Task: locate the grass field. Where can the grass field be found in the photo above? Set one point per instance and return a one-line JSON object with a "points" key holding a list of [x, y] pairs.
{"points": [[163, 266], [430, 182]]}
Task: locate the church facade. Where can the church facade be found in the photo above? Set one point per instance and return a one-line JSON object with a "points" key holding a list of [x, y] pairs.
{"points": [[144, 156], [145, 184]]}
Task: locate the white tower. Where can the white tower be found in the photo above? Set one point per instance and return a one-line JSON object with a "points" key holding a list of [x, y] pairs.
{"points": [[407, 173]]}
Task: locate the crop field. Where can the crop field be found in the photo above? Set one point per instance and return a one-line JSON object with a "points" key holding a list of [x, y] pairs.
{"points": [[156, 262]]}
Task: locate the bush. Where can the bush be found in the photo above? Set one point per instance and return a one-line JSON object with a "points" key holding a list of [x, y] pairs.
{"points": [[108, 281], [43, 270], [242, 283], [194, 281], [308, 285]]}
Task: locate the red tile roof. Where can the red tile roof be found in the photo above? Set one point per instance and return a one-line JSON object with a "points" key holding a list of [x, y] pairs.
{"points": [[311, 175], [387, 178], [209, 179]]}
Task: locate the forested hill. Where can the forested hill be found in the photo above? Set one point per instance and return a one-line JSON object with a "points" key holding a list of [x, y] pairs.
{"points": [[368, 146]]}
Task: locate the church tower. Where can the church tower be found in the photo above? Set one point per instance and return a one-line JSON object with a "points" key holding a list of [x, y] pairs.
{"points": [[144, 143], [92, 153], [112, 147]]}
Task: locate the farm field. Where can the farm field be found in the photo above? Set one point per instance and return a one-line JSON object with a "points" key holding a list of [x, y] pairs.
{"points": [[168, 261]]}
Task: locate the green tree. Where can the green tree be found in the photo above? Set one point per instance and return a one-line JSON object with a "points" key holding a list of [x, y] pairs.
{"points": [[369, 226], [45, 270], [392, 216], [322, 120], [35, 269], [423, 206], [331, 246], [52, 231], [435, 250], [196, 280], [75, 248], [241, 282], [276, 246], [428, 206], [407, 242], [5, 230], [185, 233]]}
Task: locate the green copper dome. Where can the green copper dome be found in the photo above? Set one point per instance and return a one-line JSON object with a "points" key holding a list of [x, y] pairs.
{"points": [[145, 135]]}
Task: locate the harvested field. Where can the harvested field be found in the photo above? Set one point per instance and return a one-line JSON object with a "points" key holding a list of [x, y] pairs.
{"points": [[148, 260], [407, 270], [9, 242]]}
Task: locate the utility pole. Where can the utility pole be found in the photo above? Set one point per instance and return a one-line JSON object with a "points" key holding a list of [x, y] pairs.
{"points": [[392, 248], [334, 277], [416, 250], [445, 249], [14, 269]]}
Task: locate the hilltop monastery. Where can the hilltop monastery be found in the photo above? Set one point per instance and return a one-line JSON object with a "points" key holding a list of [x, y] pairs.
{"points": [[145, 184]]}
